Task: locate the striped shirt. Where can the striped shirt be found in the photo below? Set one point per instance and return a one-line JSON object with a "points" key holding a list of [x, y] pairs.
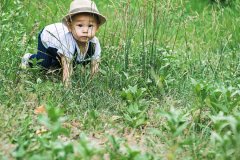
{"points": [[58, 36]]}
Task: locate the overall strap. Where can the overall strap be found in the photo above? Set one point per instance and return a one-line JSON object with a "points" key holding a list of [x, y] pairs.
{"points": [[75, 56], [88, 56]]}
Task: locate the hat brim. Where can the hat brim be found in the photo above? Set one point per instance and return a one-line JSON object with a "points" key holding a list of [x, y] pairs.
{"points": [[101, 18]]}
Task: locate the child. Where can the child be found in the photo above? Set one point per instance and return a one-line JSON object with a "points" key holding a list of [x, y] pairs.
{"points": [[71, 42]]}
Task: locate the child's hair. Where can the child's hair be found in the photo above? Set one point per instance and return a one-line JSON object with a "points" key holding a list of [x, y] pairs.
{"points": [[84, 13]]}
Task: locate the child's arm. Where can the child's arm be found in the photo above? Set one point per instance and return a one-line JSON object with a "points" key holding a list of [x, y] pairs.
{"points": [[94, 67], [66, 71]]}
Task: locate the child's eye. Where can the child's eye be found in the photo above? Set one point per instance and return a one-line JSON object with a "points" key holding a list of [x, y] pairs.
{"points": [[80, 25], [90, 26]]}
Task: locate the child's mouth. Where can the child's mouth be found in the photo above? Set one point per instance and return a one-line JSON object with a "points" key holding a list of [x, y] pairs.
{"points": [[83, 38]]}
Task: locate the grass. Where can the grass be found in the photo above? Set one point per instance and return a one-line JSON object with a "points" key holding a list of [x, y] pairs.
{"points": [[168, 87]]}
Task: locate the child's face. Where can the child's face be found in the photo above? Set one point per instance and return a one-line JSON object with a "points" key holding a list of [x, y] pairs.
{"points": [[83, 27]]}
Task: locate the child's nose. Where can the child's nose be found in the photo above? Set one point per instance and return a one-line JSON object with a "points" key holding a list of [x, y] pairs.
{"points": [[85, 29]]}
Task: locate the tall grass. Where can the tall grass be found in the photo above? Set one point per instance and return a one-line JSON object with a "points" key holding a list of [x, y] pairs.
{"points": [[169, 78]]}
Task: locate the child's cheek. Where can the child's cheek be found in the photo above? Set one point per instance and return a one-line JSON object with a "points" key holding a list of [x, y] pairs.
{"points": [[79, 31], [92, 32]]}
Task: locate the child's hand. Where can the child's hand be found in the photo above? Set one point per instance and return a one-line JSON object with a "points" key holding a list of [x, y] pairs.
{"points": [[94, 67], [66, 70]]}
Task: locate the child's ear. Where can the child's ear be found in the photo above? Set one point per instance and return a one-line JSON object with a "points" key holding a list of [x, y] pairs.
{"points": [[69, 26]]}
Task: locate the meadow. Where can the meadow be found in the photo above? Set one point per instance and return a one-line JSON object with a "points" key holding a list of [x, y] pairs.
{"points": [[168, 85]]}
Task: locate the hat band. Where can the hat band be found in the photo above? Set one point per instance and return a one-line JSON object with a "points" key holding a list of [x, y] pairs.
{"points": [[84, 9]]}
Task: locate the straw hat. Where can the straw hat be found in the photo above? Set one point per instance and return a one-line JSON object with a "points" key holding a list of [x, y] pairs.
{"points": [[83, 6]]}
